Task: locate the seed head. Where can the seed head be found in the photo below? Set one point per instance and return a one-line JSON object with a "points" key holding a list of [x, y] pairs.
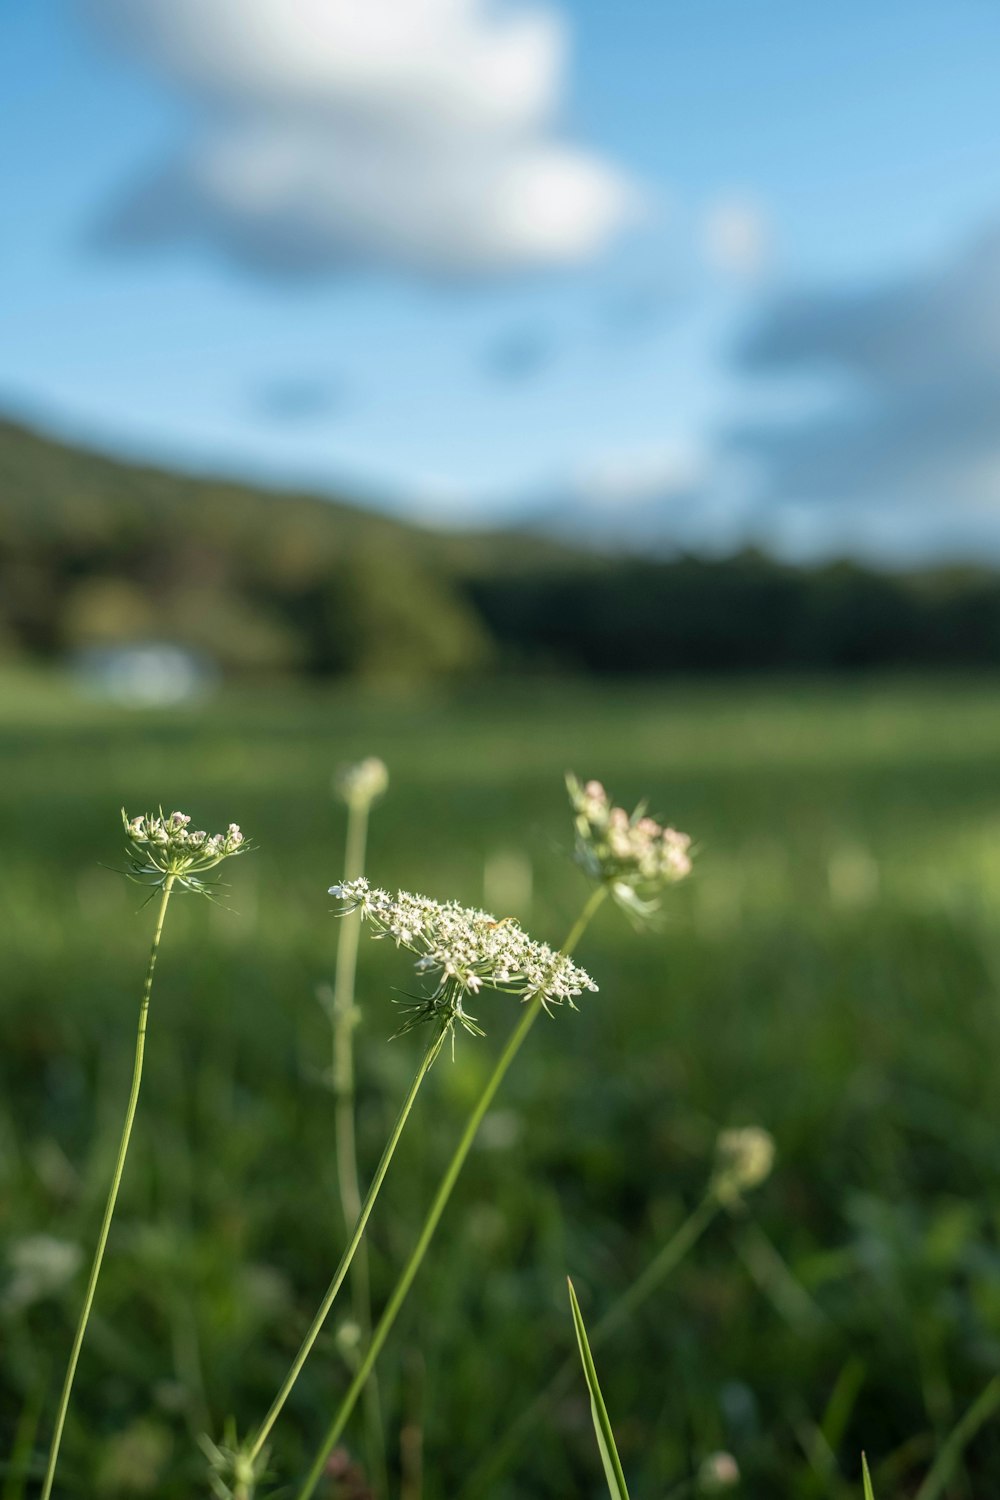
{"points": [[743, 1160], [630, 852], [359, 785], [162, 846], [464, 950]]}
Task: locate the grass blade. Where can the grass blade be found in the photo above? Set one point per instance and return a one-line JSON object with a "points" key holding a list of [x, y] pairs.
{"points": [[602, 1422], [866, 1479], [960, 1436]]}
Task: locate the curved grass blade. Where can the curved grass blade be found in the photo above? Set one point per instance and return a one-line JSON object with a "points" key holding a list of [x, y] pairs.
{"points": [[598, 1411], [866, 1479], [961, 1434]]}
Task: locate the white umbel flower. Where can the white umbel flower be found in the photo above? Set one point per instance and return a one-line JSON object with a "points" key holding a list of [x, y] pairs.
{"points": [[164, 845], [465, 950]]}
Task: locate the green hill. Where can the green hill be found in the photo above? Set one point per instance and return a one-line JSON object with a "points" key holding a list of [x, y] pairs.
{"points": [[96, 551]]}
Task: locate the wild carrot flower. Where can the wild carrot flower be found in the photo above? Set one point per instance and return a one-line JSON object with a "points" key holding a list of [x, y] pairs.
{"points": [[465, 950], [162, 848], [631, 853], [162, 853]]}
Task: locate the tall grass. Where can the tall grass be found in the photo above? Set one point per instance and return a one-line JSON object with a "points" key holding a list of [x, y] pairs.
{"points": [[831, 971]]}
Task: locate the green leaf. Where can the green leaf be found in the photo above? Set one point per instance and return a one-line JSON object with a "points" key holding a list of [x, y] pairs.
{"points": [[598, 1411], [867, 1479]]}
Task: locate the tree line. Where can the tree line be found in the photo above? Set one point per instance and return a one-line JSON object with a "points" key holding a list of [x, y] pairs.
{"points": [[98, 552]]}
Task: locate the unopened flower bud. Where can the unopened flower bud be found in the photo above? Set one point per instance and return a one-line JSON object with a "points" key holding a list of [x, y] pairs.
{"points": [[743, 1160], [361, 784], [348, 1337]]}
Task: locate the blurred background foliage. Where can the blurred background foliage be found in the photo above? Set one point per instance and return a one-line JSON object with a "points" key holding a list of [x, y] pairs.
{"points": [[97, 552]]}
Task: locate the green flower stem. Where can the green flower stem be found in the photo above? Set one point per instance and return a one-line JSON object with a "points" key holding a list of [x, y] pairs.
{"points": [[345, 1260], [672, 1253], [343, 1019], [481, 1480], [399, 1294], [95, 1270]]}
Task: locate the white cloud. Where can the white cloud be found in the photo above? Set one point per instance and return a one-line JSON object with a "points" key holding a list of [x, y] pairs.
{"points": [[635, 478], [413, 133]]}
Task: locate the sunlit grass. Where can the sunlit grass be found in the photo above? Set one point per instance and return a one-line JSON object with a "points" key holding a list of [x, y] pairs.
{"points": [[830, 972]]}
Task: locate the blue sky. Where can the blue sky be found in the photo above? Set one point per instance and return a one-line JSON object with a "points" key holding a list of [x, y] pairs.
{"points": [[730, 182]]}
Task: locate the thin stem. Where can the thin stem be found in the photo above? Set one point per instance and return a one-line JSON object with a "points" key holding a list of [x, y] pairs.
{"points": [[481, 1480], [672, 1253], [344, 1019], [349, 1253], [582, 922], [95, 1270], [399, 1294]]}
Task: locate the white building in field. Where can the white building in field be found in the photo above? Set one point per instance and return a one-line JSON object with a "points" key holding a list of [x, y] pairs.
{"points": [[144, 674]]}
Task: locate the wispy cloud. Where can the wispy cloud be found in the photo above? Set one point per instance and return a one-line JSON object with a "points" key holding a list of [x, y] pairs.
{"points": [[332, 134], [916, 423], [653, 499]]}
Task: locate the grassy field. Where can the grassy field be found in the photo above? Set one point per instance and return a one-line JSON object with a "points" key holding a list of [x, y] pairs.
{"points": [[830, 972]]}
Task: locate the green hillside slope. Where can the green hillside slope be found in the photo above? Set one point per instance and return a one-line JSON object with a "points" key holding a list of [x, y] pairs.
{"points": [[95, 551]]}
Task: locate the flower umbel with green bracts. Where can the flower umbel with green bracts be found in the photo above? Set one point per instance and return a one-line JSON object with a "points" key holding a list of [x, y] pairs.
{"points": [[163, 848]]}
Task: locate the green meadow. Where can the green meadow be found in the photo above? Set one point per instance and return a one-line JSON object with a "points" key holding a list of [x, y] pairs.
{"points": [[831, 972]]}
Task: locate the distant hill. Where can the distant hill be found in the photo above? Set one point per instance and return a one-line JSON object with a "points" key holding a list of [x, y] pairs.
{"points": [[96, 551]]}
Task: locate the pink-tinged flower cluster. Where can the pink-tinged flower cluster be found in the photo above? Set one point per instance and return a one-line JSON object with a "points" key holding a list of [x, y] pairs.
{"points": [[165, 845], [631, 852], [464, 950]]}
